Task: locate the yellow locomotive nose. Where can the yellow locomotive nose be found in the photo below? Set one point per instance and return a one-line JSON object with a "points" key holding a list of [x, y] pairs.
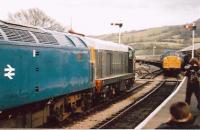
{"points": [[172, 62]]}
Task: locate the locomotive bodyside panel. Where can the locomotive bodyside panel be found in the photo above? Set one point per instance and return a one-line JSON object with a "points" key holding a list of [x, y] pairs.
{"points": [[41, 73]]}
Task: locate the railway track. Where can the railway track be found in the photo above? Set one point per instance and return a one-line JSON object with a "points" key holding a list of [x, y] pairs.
{"points": [[132, 115], [152, 75]]}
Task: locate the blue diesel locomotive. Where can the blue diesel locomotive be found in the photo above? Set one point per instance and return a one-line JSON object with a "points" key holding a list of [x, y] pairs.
{"points": [[47, 75]]}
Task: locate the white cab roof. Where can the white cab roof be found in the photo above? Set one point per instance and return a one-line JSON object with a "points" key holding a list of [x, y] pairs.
{"points": [[105, 45]]}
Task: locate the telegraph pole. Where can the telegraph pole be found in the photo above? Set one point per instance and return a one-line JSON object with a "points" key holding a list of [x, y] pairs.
{"points": [[120, 26]]}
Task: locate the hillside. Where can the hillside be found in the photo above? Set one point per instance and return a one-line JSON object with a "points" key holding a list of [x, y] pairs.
{"points": [[168, 37]]}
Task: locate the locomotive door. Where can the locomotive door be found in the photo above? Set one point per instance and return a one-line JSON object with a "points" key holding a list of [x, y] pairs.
{"points": [[36, 71], [108, 64], [130, 61]]}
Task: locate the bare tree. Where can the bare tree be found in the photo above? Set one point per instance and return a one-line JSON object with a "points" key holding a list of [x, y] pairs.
{"points": [[35, 17]]}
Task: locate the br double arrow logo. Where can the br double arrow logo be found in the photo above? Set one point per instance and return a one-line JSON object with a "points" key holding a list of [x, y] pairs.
{"points": [[9, 71]]}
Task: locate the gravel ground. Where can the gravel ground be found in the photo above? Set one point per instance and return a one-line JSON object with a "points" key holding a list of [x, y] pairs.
{"points": [[142, 69]]}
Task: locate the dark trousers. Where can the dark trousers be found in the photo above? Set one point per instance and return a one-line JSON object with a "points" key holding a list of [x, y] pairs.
{"points": [[193, 88]]}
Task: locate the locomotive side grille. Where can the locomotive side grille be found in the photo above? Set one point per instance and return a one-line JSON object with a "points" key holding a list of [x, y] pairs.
{"points": [[45, 38], [17, 35], [1, 37]]}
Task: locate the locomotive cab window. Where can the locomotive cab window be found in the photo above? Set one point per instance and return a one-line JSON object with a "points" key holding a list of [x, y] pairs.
{"points": [[77, 42], [130, 54]]}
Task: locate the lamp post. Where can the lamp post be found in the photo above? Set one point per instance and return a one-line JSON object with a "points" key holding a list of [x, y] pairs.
{"points": [[193, 28], [154, 47], [193, 34], [120, 26]]}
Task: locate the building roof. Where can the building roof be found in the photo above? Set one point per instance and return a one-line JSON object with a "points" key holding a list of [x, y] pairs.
{"points": [[189, 48]]}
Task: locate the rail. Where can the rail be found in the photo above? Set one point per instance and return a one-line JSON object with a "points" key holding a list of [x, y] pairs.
{"points": [[108, 123], [142, 124]]}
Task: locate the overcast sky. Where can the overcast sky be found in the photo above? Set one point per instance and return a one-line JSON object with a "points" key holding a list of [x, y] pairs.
{"points": [[93, 17]]}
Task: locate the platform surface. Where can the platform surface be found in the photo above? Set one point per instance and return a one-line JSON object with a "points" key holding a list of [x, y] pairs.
{"points": [[163, 114]]}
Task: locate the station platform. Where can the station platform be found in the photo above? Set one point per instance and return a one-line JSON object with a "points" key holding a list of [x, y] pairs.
{"points": [[162, 114]]}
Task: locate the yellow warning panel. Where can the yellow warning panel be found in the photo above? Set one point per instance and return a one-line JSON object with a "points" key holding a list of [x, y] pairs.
{"points": [[92, 55]]}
